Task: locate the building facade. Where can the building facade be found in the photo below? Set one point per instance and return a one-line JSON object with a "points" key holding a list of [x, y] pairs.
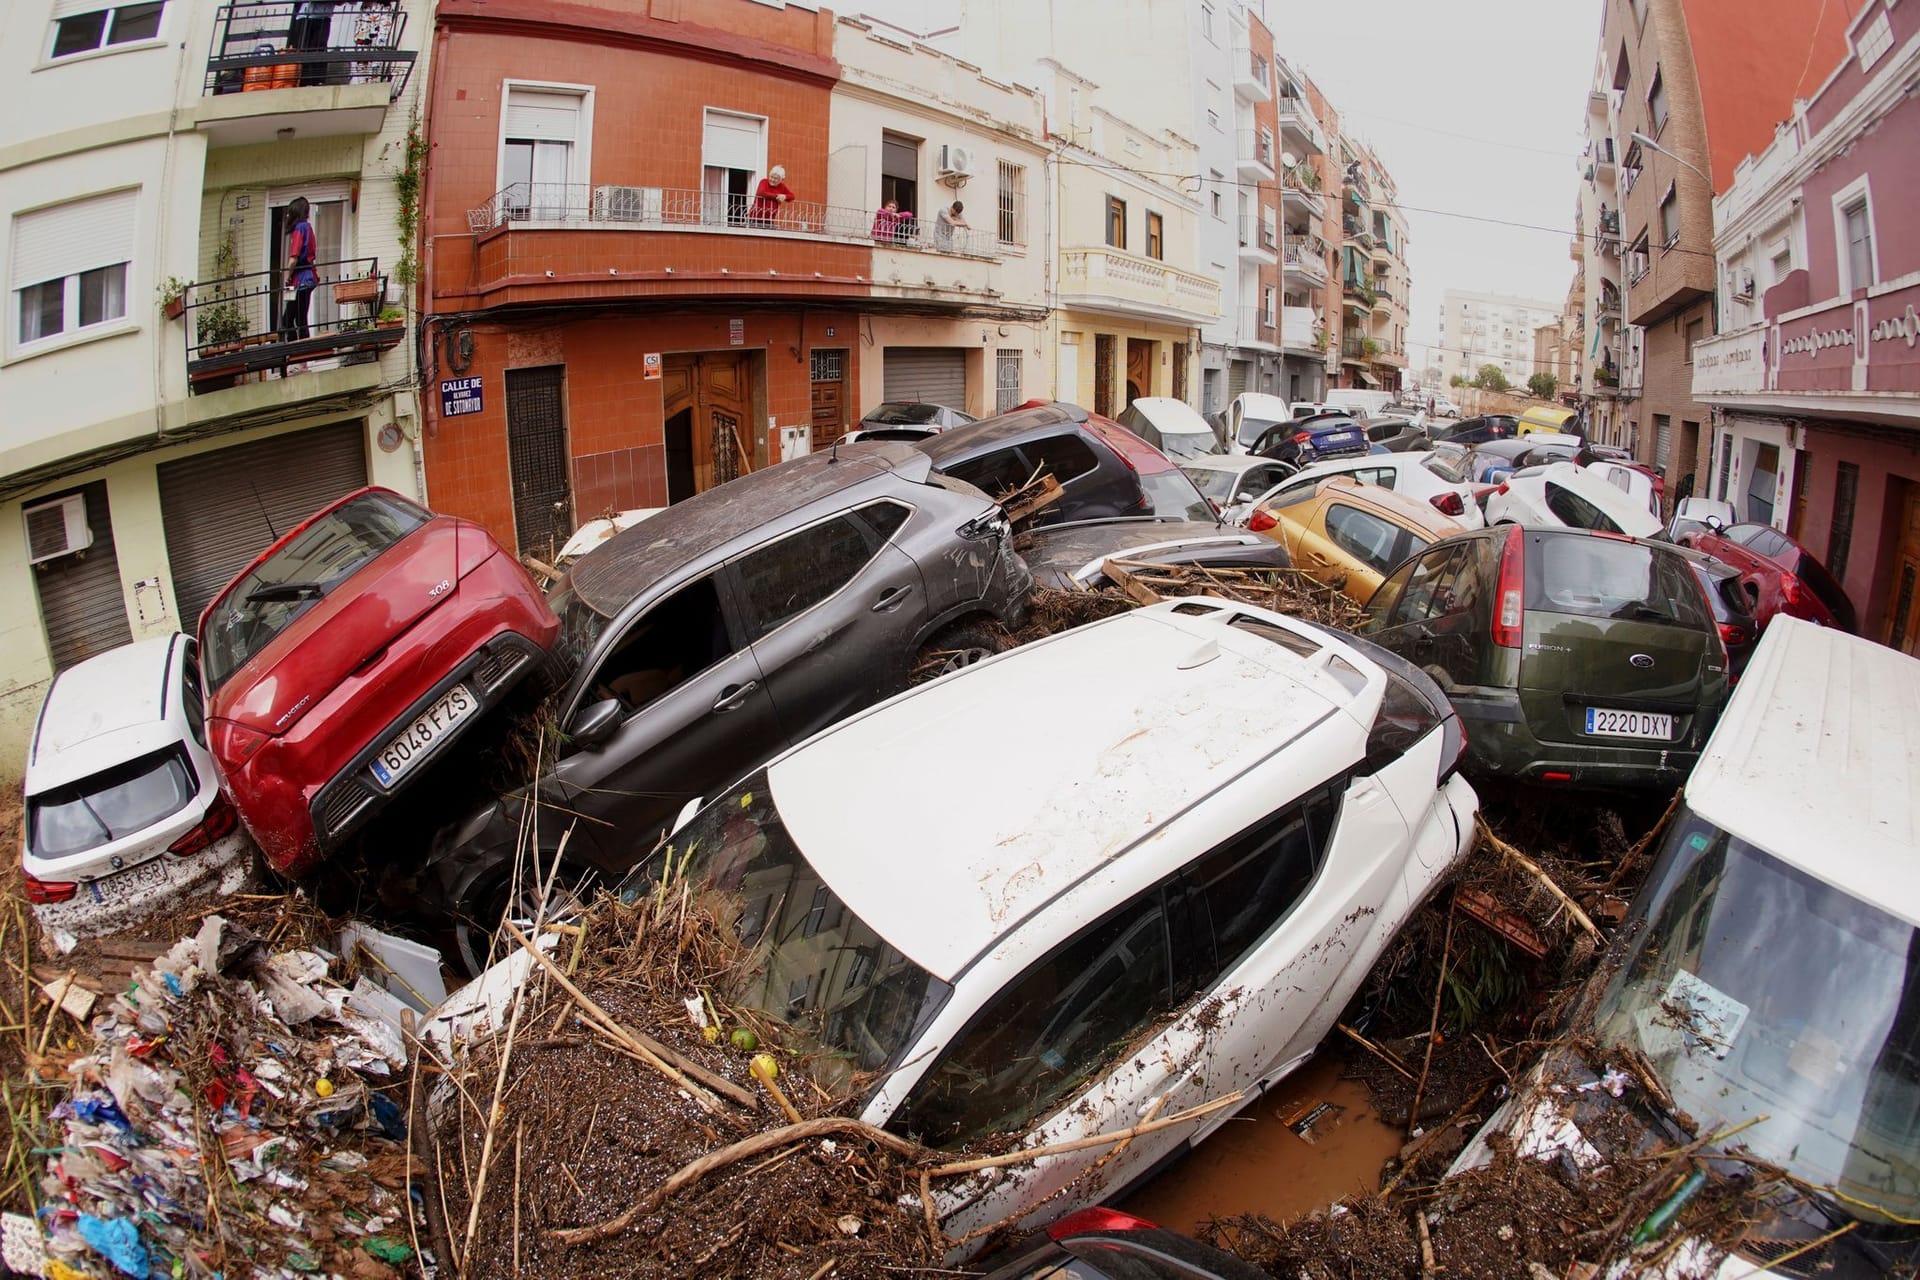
{"points": [[165, 416], [1814, 385], [1307, 257], [1478, 329]]}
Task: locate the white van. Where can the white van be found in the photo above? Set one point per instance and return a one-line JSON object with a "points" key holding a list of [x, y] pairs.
{"points": [[1767, 974], [1365, 404]]}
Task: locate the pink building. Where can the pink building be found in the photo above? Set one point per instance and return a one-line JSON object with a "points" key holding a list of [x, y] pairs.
{"points": [[1814, 381]]}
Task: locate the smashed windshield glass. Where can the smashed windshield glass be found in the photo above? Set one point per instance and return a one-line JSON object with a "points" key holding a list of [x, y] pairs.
{"points": [[813, 963], [1756, 990]]}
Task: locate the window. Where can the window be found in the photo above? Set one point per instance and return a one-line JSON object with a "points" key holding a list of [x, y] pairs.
{"points": [[1637, 260], [1657, 103], [1670, 217], [666, 646], [1116, 222], [1606, 578], [1846, 492], [900, 172], [994, 474], [112, 805], [1156, 236], [1219, 205], [99, 26], [1874, 42], [1364, 536], [192, 701], [1206, 21], [792, 575], [1857, 226], [70, 265], [1696, 334], [1240, 892], [884, 518], [541, 131], [1269, 315], [1064, 457], [1266, 148], [1013, 204]]}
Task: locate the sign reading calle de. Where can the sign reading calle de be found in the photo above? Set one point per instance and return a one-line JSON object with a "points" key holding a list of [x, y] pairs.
{"points": [[1731, 364]]}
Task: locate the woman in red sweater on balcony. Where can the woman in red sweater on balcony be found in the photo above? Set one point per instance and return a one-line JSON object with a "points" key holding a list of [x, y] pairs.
{"points": [[768, 198]]}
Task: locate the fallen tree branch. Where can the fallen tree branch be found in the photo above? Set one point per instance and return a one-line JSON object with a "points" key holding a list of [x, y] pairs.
{"points": [[1527, 864], [1376, 1051], [1095, 1140], [1427, 1139], [1137, 590], [745, 1149], [1433, 1027]]}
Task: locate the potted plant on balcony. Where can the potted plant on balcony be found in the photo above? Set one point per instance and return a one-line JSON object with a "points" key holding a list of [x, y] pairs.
{"points": [[172, 294], [221, 325], [1369, 347]]}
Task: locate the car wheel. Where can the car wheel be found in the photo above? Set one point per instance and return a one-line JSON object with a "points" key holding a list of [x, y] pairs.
{"points": [[493, 897], [958, 647]]}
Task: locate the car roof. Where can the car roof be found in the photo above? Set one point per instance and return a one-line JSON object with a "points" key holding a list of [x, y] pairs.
{"points": [[1814, 760], [102, 712], [1259, 404], [1170, 415], [945, 863], [609, 577], [960, 443], [1602, 493], [1394, 505]]}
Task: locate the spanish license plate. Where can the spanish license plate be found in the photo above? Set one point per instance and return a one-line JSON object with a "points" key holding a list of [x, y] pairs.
{"points": [[416, 741], [150, 874], [1603, 723], [1339, 440]]}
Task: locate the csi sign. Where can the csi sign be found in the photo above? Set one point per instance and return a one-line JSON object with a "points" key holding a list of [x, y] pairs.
{"points": [[459, 396]]}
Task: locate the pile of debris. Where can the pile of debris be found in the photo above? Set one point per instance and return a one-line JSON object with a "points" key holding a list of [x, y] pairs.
{"points": [[231, 1111], [1288, 591]]}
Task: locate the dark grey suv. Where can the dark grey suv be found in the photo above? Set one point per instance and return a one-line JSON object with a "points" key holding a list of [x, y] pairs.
{"points": [[709, 638]]}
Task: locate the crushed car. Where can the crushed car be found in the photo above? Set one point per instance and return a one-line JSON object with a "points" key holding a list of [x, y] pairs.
{"points": [[351, 653], [1348, 534], [1570, 495], [1096, 462], [1787, 577], [710, 637], [124, 814]]}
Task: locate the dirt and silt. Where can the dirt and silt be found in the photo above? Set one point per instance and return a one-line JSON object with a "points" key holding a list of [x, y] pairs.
{"points": [[549, 1150]]}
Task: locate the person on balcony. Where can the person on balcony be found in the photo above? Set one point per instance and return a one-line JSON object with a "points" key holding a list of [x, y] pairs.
{"points": [[770, 197], [890, 225], [301, 277], [311, 30], [944, 225]]}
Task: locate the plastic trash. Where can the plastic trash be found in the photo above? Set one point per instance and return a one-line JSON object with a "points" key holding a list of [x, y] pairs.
{"points": [[118, 1241]]}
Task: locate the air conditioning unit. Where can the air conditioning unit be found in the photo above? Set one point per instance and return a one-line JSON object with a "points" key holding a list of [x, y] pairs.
{"points": [[626, 204], [57, 528], [956, 162]]}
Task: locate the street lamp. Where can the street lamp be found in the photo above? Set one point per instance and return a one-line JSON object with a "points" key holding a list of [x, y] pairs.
{"points": [[1651, 145]]}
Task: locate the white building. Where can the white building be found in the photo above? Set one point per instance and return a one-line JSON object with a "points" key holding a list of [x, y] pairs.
{"points": [[159, 428], [1491, 328]]}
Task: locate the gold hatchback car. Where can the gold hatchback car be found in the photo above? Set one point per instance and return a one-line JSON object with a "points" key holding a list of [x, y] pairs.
{"points": [[1349, 534]]}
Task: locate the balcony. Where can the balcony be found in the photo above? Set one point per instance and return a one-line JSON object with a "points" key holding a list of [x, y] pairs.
{"points": [[1358, 296], [1382, 252], [1300, 132], [1605, 170], [1254, 159], [1357, 349], [1300, 193], [1252, 79], [1357, 230], [1258, 329], [1257, 241], [1113, 280], [1305, 261], [273, 68], [1301, 331], [232, 325]]}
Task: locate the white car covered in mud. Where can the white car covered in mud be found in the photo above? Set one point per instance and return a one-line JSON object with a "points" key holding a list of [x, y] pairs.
{"points": [[1160, 901], [124, 815]]}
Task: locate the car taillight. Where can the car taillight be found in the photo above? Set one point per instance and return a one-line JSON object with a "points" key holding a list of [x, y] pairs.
{"points": [[1261, 520], [1801, 602], [218, 824], [1449, 503], [234, 743], [1501, 487], [1732, 636], [1089, 1221], [48, 890], [1509, 594], [1301, 437]]}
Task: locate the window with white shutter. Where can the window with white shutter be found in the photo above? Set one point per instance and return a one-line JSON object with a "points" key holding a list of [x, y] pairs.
{"points": [[82, 26], [69, 264], [542, 168]]}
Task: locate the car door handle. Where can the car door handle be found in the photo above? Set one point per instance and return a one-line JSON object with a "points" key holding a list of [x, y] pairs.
{"points": [[732, 698], [891, 599]]}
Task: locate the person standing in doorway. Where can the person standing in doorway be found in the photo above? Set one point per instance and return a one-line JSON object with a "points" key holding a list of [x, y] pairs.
{"points": [[770, 197], [301, 277]]}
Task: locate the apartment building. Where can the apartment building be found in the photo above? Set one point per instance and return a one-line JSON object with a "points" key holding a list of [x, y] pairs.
{"points": [[165, 417], [1684, 89], [1373, 350], [1317, 187], [1814, 383], [1308, 257], [1478, 329]]}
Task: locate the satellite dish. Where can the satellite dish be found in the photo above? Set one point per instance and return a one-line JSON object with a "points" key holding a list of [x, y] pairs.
{"points": [[1286, 158]]}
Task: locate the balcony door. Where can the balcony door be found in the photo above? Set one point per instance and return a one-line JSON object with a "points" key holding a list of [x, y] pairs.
{"points": [[328, 212], [541, 177], [733, 155]]}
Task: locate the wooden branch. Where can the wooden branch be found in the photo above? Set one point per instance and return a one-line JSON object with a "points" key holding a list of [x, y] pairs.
{"points": [[1533, 868], [1428, 1138], [1376, 1050], [1096, 1140], [1433, 1027], [672, 1065], [1034, 496], [1140, 592], [745, 1149]]}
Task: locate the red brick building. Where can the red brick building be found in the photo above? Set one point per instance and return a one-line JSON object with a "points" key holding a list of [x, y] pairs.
{"points": [[611, 320]]}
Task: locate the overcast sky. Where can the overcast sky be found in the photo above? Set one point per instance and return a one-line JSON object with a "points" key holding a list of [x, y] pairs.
{"points": [[1475, 107]]}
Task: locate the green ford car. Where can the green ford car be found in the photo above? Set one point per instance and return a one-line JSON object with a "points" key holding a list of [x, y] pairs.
{"points": [[1574, 658]]}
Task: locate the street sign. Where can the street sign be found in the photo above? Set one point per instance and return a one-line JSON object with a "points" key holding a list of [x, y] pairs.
{"points": [[459, 396]]}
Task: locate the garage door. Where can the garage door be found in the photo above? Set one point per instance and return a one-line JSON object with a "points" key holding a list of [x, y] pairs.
{"points": [[937, 375], [223, 508]]}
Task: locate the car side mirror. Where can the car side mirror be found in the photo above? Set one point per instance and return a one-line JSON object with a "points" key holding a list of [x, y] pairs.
{"points": [[1715, 524], [594, 724]]}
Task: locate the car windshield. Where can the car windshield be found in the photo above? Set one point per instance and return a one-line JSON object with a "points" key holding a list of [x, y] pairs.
{"points": [[1174, 497], [274, 593], [893, 413], [813, 963], [1756, 990], [1186, 444], [1215, 484], [110, 806], [581, 625]]}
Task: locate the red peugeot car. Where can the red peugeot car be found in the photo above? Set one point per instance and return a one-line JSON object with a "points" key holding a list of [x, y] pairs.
{"points": [[350, 653], [1781, 575]]}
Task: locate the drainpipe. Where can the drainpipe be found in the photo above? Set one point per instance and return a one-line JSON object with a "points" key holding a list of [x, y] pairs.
{"points": [[424, 246], [1050, 327]]}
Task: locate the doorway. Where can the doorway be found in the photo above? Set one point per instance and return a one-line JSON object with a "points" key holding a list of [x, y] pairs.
{"points": [[537, 460], [706, 396], [1139, 368], [1103, 374], [829, 392], [1903, 605], [900, 178], [331, 245]]}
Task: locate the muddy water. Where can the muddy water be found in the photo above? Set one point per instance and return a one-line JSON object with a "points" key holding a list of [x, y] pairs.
{"points": [[1256, 1164]]}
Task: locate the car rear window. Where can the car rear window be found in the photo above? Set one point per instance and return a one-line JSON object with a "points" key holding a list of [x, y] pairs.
{"points": [[274, 593], [109, 806], [1217, 485], [1576, 512], [1364, 536], [1610, 578], [893, 413], [1174, 496]]}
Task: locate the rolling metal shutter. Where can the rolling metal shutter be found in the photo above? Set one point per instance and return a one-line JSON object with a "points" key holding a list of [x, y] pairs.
{"points": [[80, 597], [73, 237], [222, 508], [1237, 379], [935, 375]]}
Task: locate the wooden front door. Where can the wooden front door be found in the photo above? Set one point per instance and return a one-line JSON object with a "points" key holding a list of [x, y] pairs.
{"points": [[1903, 606], [706, 396], [829, 394], [1139, 369]]}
